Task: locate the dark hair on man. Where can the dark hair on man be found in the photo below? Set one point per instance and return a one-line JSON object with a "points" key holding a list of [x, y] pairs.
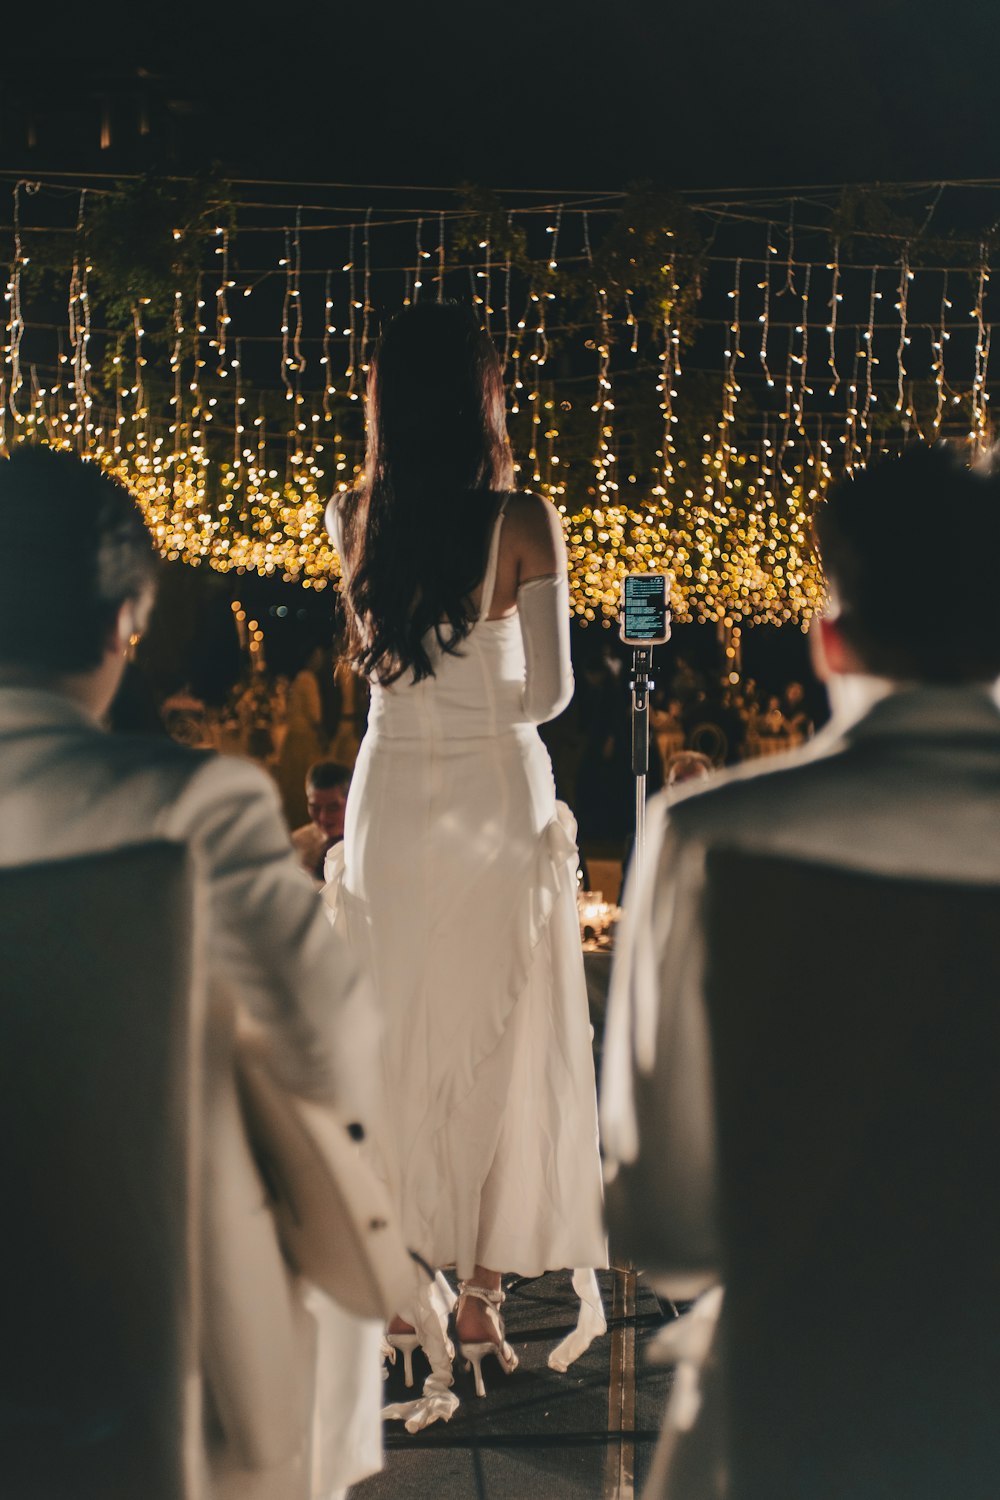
{"points": [[73, 549], [327, 774], [417, 531], [910, 546]]}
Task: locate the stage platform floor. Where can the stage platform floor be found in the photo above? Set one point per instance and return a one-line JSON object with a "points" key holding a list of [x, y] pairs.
{"points": [[538, 1435]]}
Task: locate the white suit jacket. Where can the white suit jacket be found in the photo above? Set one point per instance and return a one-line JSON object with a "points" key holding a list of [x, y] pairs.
{"points": [[911, 788], [67, 788]]}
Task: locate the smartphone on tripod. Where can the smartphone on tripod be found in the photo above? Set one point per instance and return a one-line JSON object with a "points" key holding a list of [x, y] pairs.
{"points": [[645, 613]]}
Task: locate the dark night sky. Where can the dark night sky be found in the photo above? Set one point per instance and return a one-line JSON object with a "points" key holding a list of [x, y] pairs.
{"points": [[548, 93]]}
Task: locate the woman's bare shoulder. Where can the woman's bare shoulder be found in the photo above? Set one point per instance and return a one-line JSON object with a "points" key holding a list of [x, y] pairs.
{"points": [[533, 518], [535, 530]]}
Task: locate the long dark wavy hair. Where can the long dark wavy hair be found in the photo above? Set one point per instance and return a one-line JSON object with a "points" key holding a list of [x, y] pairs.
{"points": [[416, 531]]}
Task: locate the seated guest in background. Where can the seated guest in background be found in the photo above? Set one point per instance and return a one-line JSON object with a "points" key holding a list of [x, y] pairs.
{"points": [[327, 786], [772, 722], [712, 724], [685, 767], [668, 728], [904, 782], [798, 725], [305, 739], [687, 682], [185, 719], [747, 704], [68, 612]]}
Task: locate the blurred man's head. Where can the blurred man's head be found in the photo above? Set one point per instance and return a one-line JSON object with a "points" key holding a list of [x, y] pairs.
{"points": [[327, 786], [909, 547], [77, 570]]}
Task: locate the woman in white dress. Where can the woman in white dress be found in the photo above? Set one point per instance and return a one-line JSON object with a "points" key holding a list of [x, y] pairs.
{"points": [[459, 877]]}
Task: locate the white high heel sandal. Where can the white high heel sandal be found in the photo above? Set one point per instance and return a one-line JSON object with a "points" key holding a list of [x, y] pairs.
{"points": [[405, 1343], [474, 1354]]}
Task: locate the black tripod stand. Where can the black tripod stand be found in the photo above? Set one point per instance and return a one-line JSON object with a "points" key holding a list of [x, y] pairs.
{"points": [[640, 684]]}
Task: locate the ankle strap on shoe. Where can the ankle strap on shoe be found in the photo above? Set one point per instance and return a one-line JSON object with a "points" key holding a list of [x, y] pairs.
{"points": [[484, 1293]]}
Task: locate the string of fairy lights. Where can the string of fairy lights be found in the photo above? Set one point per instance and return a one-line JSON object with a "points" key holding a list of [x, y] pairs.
{"points": [[682, 395]]}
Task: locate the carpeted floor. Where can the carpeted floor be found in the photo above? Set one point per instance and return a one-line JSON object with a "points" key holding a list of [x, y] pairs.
{"points": [[538, 1435]]}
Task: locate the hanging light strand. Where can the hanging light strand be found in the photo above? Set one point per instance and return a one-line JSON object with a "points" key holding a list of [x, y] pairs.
{"points": [[366, 292], [79, 328], [298, 358], [351, 330], [286, 314], [937, 347], [765, 317], [902, 304], [222, 318], [802, 331], [15, 316], [836, 297], [979, 427], [329, 389], [418, 267]]}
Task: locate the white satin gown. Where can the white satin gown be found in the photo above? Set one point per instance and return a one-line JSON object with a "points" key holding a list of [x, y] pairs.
{"points": [[458, 894]]}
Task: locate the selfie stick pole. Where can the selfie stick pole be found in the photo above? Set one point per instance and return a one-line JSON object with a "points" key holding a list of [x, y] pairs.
{"points": [[640, 685]]}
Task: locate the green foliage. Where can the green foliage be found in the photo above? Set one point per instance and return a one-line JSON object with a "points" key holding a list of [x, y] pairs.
{"points": [[654, 254], [484, 217], [871, 224], [147, 240]]}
